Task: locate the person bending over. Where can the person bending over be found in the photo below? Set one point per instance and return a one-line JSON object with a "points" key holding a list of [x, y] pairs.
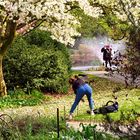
{"points": [[80, 89]]}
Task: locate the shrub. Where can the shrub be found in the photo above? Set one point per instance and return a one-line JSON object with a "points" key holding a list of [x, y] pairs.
{"points": [[33, 63]]}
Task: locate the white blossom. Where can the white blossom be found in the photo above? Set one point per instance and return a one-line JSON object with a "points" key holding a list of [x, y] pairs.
{"points": [[26, 10], [124, 9], [58, 20]]}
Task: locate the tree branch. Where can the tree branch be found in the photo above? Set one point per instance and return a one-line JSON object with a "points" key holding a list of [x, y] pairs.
{"points": [[36, 26]]}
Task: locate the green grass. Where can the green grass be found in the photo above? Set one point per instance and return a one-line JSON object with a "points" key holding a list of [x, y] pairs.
{"points": [[45, 128], [105, 90], [19, 98]]}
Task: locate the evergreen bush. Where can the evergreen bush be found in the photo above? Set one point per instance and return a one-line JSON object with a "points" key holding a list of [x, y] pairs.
{"points": [[37, 61]]}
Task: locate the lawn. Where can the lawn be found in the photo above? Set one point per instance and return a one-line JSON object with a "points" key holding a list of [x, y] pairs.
{"points": [[105, 90], [43, 109]]}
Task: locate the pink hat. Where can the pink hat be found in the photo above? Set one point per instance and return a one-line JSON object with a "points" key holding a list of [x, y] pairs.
{"points": [[107, 46]]}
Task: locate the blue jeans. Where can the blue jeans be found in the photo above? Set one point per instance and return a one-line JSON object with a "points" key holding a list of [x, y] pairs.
{"points": [[81, 91]]}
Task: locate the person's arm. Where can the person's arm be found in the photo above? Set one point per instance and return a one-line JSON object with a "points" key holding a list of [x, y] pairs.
{"points": [[74, 92], [102, 50], [74, 88]]}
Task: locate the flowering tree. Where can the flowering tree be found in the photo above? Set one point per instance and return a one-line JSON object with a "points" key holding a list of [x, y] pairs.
{"points": [[21, 16]]}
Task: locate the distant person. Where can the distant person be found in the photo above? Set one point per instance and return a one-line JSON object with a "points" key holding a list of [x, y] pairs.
{"points": [[107, 53], [80, 89]]}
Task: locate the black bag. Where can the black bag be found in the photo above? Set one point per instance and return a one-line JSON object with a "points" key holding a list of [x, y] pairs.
{"points": [[113, 107], [107, 108]]}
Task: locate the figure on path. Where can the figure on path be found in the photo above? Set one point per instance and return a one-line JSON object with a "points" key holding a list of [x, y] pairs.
{"points": [[107, 53], [81, 88]]}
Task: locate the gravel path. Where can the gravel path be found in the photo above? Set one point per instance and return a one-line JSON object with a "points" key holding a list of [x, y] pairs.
{"points": [[113, 77], [105, 74]]}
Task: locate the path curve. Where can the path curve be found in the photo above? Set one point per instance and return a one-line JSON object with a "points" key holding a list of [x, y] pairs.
{"points": [[104, 74]]}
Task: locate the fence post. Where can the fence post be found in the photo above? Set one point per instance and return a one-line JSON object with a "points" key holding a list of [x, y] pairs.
{"points": [[64, 113], [58, 129]]}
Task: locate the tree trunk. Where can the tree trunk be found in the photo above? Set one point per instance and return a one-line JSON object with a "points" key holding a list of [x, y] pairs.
{"points": [[3, 90], [5, 43]]}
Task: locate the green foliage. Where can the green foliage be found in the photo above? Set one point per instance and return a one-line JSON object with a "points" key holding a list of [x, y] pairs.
{"points": [[39, 38], [20, 98], [113, 27], [44, 128], [90, 26], [29, 129], [107, 24], [42, 39], [37, 61], [88, 132]]}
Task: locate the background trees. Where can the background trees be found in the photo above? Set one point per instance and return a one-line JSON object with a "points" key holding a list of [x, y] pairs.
{"points": [[123, 17], [84, 56], [119, 20]]}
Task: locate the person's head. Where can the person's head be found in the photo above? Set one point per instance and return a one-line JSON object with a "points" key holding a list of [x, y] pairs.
{"points": [[76, 77], [71, 80], [107, 46]]}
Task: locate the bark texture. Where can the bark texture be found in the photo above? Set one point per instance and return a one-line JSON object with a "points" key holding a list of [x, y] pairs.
{"points": [[3, 89]]}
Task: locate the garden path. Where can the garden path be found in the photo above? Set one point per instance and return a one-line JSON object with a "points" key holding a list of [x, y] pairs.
{"points": [[104, 74]]}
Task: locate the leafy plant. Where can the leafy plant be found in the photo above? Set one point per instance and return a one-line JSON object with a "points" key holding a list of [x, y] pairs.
{"points": [[20, 98], [34, 63], [88, 132]]}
